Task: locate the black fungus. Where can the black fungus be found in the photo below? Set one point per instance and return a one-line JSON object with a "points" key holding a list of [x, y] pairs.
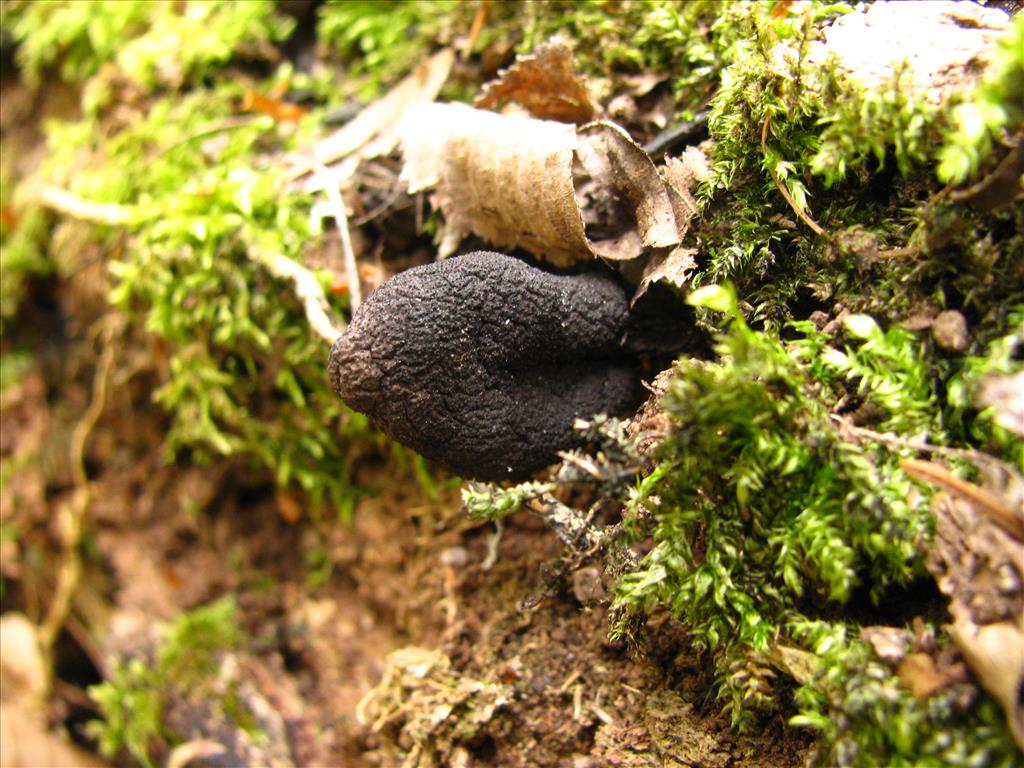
{"points": [[481, 362]]}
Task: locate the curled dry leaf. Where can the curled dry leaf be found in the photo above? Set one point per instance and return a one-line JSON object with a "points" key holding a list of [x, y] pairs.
{"points": [[545, 83], [615, 162], [509, 180], [685, 172], [673, 267], [506, 179]]}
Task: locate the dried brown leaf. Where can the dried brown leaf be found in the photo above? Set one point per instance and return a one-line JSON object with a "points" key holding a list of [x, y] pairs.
{"points": [[673, 267], [282, 111], [545, 83], [509, 179], [919, 673], [685, 172], [995, 653], [615, 161], [642, 83]]}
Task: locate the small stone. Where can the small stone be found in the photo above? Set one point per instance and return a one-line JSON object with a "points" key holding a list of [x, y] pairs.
{"points": [[587, 586], [819, 318], [950, 331], [455, 557], [22, 666]]}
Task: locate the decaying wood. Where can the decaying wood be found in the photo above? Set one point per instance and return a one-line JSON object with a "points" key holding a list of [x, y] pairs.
{"points": [[980, 567]]}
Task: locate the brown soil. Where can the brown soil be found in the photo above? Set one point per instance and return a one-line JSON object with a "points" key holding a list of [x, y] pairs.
{"points": [[517, 657]]}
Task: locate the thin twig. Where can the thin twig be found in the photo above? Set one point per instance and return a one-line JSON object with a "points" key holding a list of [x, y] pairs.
{"points": [[227, 124], [782, 187], [474, 31], [330, 185], [73, 515], [937, 475], [63, 201], [895, 441], [573, 527], [493, 544], [307, 288]]}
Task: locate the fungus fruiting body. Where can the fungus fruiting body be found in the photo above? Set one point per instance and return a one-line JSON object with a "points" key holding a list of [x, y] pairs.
{"points": [[481, 362]]}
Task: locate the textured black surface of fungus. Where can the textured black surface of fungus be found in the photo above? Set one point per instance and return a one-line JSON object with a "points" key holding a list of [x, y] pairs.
{"points": [[482, 362]]}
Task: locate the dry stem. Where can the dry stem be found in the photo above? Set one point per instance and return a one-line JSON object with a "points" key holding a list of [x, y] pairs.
{"points": [[330, 184], [99, 213], [307, 287], [782, 187], [73, 515]]}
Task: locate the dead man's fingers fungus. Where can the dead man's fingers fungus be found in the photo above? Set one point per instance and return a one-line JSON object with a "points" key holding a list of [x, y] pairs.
{"points": [[481, 362]]}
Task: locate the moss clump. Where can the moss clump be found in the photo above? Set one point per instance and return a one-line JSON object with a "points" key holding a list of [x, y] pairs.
{"points": [[132, 700], [762, 508], [238, 370], [766, 516], [867, 717], [378, 41], [798, 144], [692, 43], [995, 111], [244, 374], [151, 42]]}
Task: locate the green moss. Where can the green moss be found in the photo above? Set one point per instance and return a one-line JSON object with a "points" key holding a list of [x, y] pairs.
{"points": [[131, 701], [489, 502], [852, 159], [762, 509], [767, 517], [995, 109], [245, 373], [378, 41], [152, 42], [867, 717]]}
